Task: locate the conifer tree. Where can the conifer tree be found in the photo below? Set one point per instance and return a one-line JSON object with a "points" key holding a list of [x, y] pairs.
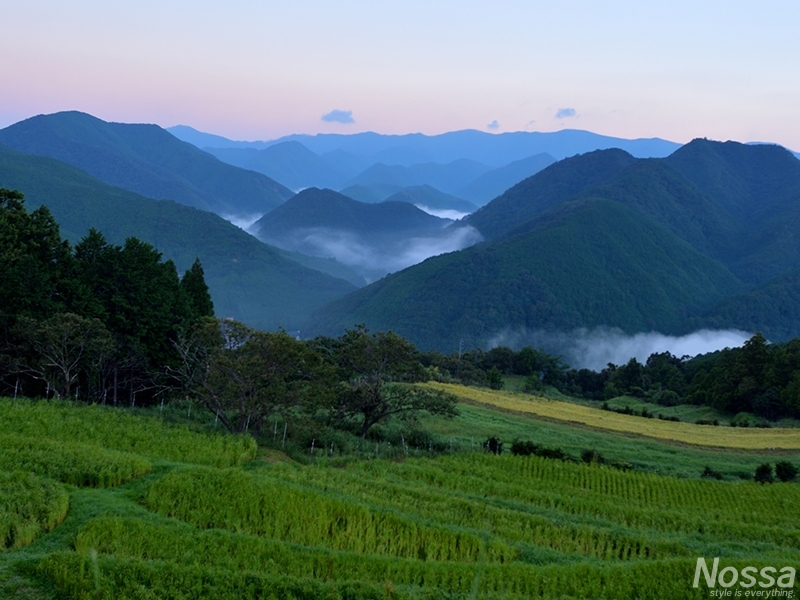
{"points": [[196, 290]]}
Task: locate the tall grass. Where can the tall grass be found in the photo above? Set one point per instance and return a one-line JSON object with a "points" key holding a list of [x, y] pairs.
{"points": [[144, 546], [238, 501], [116, 429], [29, 506], [70, 462], [89, 577]]}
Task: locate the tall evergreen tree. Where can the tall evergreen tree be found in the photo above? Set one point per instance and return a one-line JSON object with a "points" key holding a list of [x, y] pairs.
{"points": [[194, 285]]}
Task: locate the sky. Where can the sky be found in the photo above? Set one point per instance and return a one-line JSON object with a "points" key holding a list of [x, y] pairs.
{"points": [[258, 70]]}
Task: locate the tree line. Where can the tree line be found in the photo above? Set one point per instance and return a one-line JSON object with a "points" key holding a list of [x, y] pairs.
{"points": [[759, 377], [95, 322], [117, 325]]}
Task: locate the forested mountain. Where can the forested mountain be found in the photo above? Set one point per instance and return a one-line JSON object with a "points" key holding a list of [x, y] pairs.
{"points": [[371, 238], [373, 193], [249, 280], [290, 163], [147, 160], [493, 183], [432, 199], [445, 177], [595, 262], [704, 238], [314, 208], [547, 188]]}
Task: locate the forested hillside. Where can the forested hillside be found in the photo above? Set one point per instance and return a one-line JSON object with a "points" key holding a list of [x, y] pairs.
{"points": [[147, 160], [249, 280], [704, 238]]}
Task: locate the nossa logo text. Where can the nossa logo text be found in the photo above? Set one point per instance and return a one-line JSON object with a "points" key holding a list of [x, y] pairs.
{"points": [[748, 577]]}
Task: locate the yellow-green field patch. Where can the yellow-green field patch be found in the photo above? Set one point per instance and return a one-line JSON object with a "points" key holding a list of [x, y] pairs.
{"points": [[687, 433]]}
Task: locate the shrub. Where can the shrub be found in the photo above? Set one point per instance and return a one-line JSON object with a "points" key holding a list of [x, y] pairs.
{"points": [[592, 456], [524, 448], [667, 398], [556, 453], [532, 384], [494, 378], [710, 473], [785, 471], [764, 473], [494, 445]]}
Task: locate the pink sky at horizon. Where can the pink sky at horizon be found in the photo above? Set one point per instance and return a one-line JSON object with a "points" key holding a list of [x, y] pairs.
{"points": [[261, 70]]}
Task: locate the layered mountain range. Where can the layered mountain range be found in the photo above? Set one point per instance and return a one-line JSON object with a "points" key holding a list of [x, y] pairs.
{"points": [[706, 237], [649, 236]]}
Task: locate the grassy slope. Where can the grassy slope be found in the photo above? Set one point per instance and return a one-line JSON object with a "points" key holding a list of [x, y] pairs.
{"points": [[248, 280], [687, 433], [582, 518]]}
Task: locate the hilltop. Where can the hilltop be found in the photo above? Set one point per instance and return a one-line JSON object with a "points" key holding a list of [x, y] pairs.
{"points": [[147, 160]]}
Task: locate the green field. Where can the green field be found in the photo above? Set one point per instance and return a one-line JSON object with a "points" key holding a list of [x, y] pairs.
{"points": [[158, 510]]}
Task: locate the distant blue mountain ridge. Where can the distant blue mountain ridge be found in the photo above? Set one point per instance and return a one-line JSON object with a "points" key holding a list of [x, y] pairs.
{"points": [[491, 149]]}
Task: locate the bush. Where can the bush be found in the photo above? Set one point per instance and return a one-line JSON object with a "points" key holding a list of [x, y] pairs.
{"points": [[710, 473], [494, 445], [707, 422], [556, 453], [592, 456], [785, 471], [532, 384], [494, 378], [520, 448], [667, 398], [764, 473]]}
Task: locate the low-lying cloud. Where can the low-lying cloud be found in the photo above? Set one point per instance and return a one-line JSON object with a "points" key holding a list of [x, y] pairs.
{"points": [[243, 221], [595, 348], [375, 257], [443, 213]]}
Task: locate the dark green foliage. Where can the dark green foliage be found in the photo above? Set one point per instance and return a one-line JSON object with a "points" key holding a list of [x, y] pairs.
{"points": [[376, 370], [95, 323], [592, 456], [194, 286], [494, 378], [546, 189], [785, 471], [763, 473], [710, 473], [34, 260], [528, 281], [523, 448], [244, 376], [247, 279], [726, 216], [494, 445]]}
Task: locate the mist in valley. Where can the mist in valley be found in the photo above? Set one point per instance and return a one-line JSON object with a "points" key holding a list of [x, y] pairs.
{"points": [[374, 256], [595, 348]]}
